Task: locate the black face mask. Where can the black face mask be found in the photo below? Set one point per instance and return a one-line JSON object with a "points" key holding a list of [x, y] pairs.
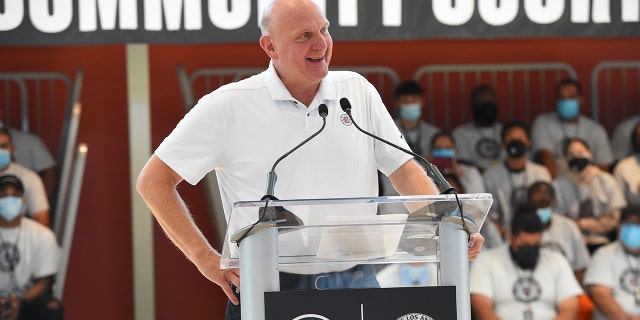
{"points": [[578, 164], [516, 149], [526, 257], [485, 114]]}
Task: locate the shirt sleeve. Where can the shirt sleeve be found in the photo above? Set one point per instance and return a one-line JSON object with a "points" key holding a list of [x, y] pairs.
{"points": [[579, 248], [567, 286], [600, 271], [47, 253], [480, 277], [36, 196]]}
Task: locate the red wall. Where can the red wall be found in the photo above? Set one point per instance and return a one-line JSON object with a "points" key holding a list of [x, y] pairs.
{"points": [[100, 279]]}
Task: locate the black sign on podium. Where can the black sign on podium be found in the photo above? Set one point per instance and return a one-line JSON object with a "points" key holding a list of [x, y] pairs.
{"points": [[363, 304]]}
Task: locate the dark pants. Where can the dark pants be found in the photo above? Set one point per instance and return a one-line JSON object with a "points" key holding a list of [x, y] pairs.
{"points": [[361, 276], [45, 307]]}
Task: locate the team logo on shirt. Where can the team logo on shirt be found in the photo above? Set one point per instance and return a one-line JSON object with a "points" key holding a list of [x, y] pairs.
{"points": [[629, 280], [527, 290], [415, 316], [344, 118], [9, 257], [488, 148]]}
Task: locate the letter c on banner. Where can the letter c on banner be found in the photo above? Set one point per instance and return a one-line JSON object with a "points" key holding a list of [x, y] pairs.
{"points": [[310, 316], [453, 15]]}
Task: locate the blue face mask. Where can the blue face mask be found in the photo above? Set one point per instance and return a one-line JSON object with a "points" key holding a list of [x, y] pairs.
{"points": [[568, 109], [544, 214], [410, 112], [414, 275], [11, 207], [5, 158], [630, 236], [443, 153]]}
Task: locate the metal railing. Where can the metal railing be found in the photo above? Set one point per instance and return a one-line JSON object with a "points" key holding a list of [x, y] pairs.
{"points": [[47, 104], [524, 89], [615, 91]]}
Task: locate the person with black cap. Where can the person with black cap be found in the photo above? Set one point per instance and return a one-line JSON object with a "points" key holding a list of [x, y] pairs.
{"points": [[29, 258], [612, 277]]}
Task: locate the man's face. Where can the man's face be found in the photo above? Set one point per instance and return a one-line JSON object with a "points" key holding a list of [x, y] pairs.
{"points": [[516, 133], [568, 91], [408, 99], [541, 197], [5, 143], [525, 239], [299, 44]]}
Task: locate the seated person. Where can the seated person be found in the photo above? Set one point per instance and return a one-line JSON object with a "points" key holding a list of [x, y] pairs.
{"points": [[29, 259], [443, 155], [409, 102], [522, 281], [589, 195], [479, 140], [627, 171], [551, 131], [509, 181], [35, 196], [560, 233], [31, 153], [612, 276]]}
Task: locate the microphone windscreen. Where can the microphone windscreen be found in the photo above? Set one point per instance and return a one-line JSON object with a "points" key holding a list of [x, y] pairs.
{"points": [[323, 110], [345, 105]]}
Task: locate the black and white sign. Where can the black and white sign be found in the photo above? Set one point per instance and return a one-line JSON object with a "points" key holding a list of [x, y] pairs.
{"points": [[60, 22], [416, 303]]}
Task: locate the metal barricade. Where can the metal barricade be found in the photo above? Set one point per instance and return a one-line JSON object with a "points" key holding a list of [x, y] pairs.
{"points": [[524, 89], [615, 92]]}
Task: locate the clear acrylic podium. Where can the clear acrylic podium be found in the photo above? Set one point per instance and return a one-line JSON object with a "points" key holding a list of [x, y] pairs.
{"points": [[310, 236]]}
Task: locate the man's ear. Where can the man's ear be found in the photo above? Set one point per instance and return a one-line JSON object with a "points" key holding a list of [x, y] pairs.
{"points": [[267, 45]]}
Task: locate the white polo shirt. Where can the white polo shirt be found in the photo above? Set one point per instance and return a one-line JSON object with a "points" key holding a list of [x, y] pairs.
{"points": [[242, 128]]}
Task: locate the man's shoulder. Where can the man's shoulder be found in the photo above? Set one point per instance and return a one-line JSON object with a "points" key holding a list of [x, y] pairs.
{"points": [[592, 124], [630, 161], [19, 171], [35, 228], [464, 128]]}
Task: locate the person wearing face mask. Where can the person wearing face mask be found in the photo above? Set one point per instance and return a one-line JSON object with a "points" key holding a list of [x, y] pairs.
{"points": [[627, 171], [589, 195], [35, 195], [519, 280], [559, 233], [612, 277], [508, 182], [551, 131], [479, 139], [409, 101], [29, 258], [443, 155]]}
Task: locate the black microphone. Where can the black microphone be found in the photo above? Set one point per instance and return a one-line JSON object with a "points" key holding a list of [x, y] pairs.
{"points": [[432, 171], [271, 175]]}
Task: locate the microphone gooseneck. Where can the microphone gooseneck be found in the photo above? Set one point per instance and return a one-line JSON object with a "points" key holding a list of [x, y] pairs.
{"points": [[432, 171], [271, 175]]}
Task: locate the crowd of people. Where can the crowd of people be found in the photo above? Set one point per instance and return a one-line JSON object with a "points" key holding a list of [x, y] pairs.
{"points": [[563, 232]]}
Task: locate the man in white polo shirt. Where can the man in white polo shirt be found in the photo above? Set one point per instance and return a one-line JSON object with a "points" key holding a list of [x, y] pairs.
{"points": [[242, 128]]}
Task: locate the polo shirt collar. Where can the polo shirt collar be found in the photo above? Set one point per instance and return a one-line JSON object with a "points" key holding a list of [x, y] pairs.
{"points": [[278, 91]]}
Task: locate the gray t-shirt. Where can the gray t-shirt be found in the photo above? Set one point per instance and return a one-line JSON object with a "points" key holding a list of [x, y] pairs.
{"points": [[564, 236], [510, 188], [480, 146], [30, 151], [419, 138], [550, 133]]}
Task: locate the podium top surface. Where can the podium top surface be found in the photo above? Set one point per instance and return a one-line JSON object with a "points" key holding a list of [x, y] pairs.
{"points": [[329, 234]]}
